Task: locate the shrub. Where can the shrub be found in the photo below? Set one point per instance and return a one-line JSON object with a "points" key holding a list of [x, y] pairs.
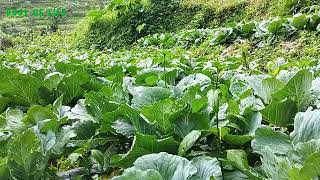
{"points": [[5, 42], [123, 22]]}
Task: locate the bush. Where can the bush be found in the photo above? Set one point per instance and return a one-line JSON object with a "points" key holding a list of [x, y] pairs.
{"points": [[122, 23], [5, 42]]}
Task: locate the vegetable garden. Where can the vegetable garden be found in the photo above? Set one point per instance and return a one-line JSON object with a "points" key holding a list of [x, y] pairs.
{"points": [[162, 111]]}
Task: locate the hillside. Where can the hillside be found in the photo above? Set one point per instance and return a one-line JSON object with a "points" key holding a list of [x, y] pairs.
{"points": [[76, 10], [166, 90], [121, 24]]}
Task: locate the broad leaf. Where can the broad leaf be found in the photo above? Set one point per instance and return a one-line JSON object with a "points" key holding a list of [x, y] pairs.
{"points": [[71, 86], [304, 149], [124, 128], [298, 21], [297, 88], [145, 96], [266, 87], [98, 103], [171, 167], [266, 137], [79, 112], [145, 144], [21, 88], [306, 126], [136, 174], [311, 167], [188, 122], [280, 113], [161, 114], [128, 115], [38, 113], [188, 142], [14, 119], [239, 157], [192, 80], [275, 167], [25, 161], [207, 167]]}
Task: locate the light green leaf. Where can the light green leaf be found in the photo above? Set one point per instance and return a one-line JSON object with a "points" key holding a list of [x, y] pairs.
{"points": [[171, 167], [221, 36], [255, 119], [52, 80], [79, 112], [98, 103], [145, 144], [304, 149], [238, 156], [247, 28], [170, 76], [275, 167], [237, 139], [240, 89], [145, 96], [62, 138], [311, 167], [136, 174], [275, 26], [70, 86], [280, 113], [250, 103], [21, 88], [160, 114], [97, 161], [207, 167], [213, 101], [188, 142], [266, 87], [47, 142], [297, 89], [266, 137], [130, 116], [299, 21], [306, 126], [188, 122], [23, 153], [38, 113], [14, 119], [192, 80], [123, 128]]}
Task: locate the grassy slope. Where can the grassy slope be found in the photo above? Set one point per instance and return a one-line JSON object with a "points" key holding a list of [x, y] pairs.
{"points": [[76, 9], [216, 13], [219, 13]]}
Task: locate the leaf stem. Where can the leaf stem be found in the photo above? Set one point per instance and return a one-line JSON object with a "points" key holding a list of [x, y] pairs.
{"points": [[217, 126], [164, 69]]}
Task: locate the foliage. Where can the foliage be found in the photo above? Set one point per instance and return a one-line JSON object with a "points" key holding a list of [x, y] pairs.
{"points": [[123, 22], [162, 110]]}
